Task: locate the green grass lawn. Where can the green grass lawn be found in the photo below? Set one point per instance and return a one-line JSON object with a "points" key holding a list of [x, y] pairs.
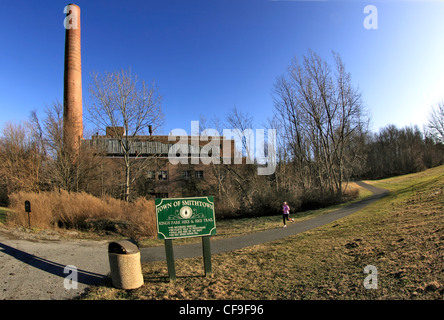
{"points": [[402, 235]]}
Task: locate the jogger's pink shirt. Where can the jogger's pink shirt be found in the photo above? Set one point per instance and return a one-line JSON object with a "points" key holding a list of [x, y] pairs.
{"points": [[286, 209]]}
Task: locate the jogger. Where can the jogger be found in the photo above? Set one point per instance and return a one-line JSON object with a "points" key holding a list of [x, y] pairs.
{"points": [[286, 213]]}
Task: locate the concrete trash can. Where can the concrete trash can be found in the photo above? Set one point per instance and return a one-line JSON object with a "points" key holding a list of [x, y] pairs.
{"points": [[124, 262]]}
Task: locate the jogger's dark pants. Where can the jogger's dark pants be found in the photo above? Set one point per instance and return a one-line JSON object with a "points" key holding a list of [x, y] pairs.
{"points": [[286, 216]]}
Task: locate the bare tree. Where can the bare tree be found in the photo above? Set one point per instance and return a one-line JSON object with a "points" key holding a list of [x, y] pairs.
{"points": [[322, 114], [20, 158], [396, 151], [242, 124], [436, 122], [244, 177], [118, 99], [59, 170]]}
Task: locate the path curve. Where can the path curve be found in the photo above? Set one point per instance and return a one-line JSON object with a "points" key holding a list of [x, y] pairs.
{"points": [[35, 269], [236, 243]]}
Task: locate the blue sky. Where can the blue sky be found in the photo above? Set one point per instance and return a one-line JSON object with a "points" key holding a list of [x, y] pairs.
{"points": [[210, 56]]}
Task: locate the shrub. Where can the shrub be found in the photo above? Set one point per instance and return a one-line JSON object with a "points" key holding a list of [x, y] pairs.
{"points": [[268, 202]]}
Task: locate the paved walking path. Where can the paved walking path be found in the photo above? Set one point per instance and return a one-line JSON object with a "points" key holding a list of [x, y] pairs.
{"points": [[230, 244], [35, 269]]}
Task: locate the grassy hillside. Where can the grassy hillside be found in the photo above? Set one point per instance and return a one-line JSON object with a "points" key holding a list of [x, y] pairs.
{"points": [[401, 235]]}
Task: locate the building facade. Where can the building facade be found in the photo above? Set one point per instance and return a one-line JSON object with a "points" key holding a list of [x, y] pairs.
{"points": [[161, 166]]}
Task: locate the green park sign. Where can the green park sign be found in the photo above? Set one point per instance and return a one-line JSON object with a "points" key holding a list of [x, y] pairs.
{"points": [[185, 217]]}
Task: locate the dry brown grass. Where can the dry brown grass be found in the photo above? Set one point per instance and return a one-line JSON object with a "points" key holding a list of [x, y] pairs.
{"points": [[84, 212]]}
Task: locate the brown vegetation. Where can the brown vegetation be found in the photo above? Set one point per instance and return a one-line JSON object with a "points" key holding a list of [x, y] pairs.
{"points": [[85, 212]]}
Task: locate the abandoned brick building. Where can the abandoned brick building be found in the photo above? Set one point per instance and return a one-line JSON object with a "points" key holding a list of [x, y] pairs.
{"points": [[153, 172]]}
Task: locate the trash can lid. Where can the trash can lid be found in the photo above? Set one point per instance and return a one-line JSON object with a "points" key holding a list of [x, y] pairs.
{"points": [[123, 247]]}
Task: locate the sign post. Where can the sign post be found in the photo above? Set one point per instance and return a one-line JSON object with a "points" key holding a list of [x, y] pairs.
{"points": [[170, 259], [206, 251], [183, 218], [28, 210]]}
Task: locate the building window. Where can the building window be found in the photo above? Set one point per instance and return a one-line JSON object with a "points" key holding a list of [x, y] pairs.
{"points": [[150, 174], [198, 174], [162, 175], [186, 174]]}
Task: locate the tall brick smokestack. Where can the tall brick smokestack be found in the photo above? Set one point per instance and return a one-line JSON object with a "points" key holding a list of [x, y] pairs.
{"points": [[72, 96]]}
